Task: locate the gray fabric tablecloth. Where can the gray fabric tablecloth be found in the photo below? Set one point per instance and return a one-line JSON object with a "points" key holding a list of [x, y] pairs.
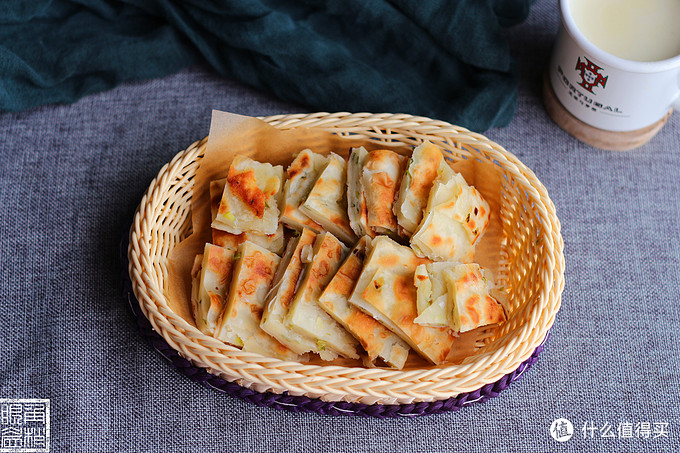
{"points": [[71, 176]]}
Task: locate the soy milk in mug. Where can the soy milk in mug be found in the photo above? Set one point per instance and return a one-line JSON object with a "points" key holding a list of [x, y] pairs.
{"points": [[616, 63], [638, 30]]}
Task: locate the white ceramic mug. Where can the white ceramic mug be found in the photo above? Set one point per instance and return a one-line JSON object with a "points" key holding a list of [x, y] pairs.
{"points": [[605, 91]]}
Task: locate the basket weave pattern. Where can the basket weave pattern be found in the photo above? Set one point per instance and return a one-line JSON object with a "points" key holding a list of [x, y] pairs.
{"points": [[532, 265]]}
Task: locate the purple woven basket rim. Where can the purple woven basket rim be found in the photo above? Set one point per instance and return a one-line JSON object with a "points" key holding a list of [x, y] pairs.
{"points": [[298, 404]]}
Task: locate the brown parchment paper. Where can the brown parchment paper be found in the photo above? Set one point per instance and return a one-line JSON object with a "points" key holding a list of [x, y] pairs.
{"points": [[232, 134]]}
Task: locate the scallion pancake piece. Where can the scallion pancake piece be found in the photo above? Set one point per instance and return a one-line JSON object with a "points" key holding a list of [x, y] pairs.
{"points": [[239, 323], [426, 164], [306, 315], [251, 197], [377, 340], [211, 277], [326, 203], [386, 291], [282, 293], [301, 176]]}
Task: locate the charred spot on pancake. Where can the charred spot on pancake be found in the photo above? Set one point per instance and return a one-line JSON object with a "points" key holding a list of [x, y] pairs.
{"points": [[243, 186]]}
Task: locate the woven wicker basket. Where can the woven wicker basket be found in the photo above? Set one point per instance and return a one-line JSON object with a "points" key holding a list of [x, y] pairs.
{"points": [[532, 265]]}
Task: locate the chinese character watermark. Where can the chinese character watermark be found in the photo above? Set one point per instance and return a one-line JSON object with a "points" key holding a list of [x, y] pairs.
{"points": [[561, 430], [625, 430], [24, 425]]}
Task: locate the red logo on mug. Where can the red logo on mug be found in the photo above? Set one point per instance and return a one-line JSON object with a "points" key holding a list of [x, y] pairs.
{"points": [[590, 74]]}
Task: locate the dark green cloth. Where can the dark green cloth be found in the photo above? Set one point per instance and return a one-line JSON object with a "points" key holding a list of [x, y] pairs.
{"points": [[443, 59]]}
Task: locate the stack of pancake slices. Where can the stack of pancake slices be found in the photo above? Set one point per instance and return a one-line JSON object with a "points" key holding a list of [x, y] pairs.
{"points": [[366, 258]]}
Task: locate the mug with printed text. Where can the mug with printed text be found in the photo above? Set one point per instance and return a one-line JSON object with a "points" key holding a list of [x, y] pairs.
{"points": [[616, 63]]}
